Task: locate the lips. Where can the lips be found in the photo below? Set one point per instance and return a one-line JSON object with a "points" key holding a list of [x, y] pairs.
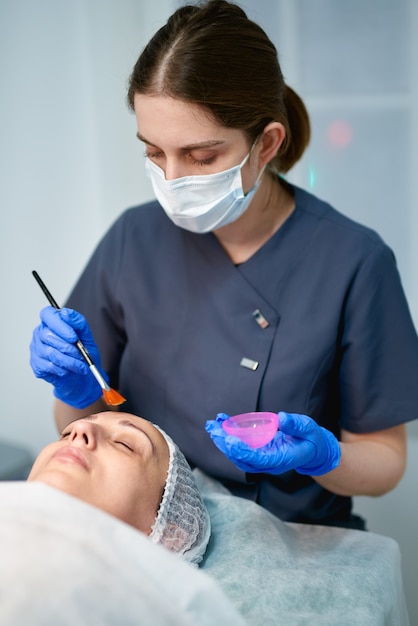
{"points": [[71, 455]]}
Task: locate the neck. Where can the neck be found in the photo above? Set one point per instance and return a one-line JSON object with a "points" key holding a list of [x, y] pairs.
{"points": [[270, 208]]}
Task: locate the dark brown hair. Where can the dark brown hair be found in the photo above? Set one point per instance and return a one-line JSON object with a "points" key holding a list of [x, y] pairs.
{"points": [[214, 56]]}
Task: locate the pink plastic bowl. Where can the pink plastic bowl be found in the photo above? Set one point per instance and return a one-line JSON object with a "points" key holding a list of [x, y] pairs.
{"points": [[254, 429]]}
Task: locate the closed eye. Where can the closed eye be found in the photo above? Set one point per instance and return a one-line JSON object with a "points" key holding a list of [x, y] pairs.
{"points": [[125, 445], [207, 161], [153, 155]]}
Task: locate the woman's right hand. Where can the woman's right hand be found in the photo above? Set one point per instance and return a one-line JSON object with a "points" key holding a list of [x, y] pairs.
{"points": [[55, 357]]}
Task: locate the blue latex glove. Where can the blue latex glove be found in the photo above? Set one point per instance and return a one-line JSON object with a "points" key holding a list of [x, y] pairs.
{"points": [[299, 444], [55, 357]]}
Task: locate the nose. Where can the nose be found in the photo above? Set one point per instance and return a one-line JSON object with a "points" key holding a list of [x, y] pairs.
{"points": [[83, 433], [173, 169]]}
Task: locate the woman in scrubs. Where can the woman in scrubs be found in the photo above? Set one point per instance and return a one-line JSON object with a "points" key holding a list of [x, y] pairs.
{"points": [[236, 291]]}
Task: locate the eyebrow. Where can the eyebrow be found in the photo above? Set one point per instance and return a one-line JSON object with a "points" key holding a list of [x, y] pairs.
{"points": [[210, 143], [129, 424], [125, 422]]}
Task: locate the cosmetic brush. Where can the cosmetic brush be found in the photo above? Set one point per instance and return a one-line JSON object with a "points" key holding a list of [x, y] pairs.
{"points": [[110, 396]]}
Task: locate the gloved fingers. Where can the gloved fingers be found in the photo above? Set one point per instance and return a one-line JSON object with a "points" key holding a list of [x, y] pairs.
{"points": [[212, 426], [217, 434], [48, 351], [244, 457], [221, 439], [253, 459], [52, 319], [43, 340], [271, 458], [70, 325], [221, 417], [55, 357], [43, 368], [316, 449], [280, 455], [62, 328], [296, 425], [78, 322], [327, 457]]}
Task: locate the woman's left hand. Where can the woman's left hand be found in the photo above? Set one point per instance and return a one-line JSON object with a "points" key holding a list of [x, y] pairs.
{"points": [[299, 444]]}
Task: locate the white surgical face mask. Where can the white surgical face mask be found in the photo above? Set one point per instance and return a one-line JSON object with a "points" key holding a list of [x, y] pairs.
{"points": [[202, 203]]}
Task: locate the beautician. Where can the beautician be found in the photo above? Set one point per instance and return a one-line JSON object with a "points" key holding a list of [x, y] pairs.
{"points": [[236, 291]]}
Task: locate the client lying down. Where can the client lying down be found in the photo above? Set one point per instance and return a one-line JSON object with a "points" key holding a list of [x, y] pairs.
{"points": [[68, 559], [131, 469], [80, 540]]}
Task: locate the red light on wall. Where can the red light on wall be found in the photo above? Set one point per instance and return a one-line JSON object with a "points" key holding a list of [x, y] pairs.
{"points": [[339, 134]]}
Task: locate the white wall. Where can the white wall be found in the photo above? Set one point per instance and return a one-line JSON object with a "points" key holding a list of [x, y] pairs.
{"points": [[70, 162]]}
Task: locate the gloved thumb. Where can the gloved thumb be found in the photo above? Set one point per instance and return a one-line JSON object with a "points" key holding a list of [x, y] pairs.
{"points": [[78, 322], [73, 318], [221, 417], [214, 427], [295, 425]]}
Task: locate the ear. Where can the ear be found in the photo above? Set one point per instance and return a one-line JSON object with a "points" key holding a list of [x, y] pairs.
{"points": [[270, 141]]}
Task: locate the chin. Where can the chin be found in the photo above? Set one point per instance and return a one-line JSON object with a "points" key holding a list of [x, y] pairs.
{"points": [[58, 480]]}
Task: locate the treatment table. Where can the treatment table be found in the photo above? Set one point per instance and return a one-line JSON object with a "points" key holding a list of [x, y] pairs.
{"points": [[65, 562]]}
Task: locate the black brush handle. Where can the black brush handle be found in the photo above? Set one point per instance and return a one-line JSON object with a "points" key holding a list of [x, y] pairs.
{"points": [[53, 303], [48, 294]]}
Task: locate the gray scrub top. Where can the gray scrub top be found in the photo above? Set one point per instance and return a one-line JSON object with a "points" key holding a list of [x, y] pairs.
{"points": [[318, 314]]}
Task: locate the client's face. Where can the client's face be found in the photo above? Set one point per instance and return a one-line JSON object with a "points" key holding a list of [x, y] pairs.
{"points": [[115, 461]]}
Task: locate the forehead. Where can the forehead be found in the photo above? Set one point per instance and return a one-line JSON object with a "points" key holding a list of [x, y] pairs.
{"points": [[161, 119]]}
